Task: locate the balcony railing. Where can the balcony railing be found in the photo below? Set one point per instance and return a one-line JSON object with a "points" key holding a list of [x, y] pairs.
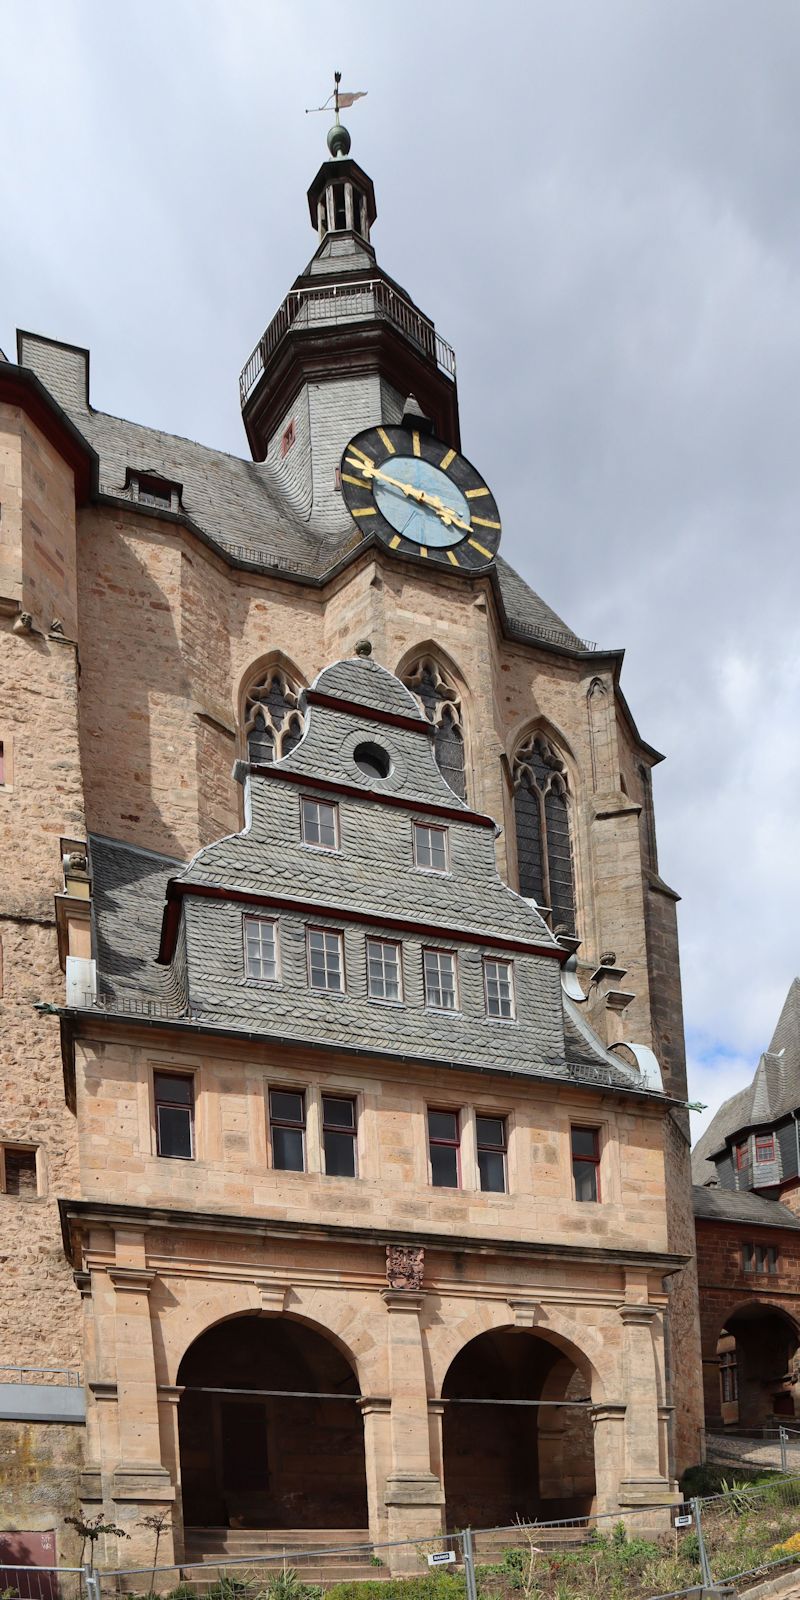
{"points": [[347, 302]]}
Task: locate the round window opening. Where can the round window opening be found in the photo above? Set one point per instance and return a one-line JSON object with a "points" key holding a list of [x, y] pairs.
{"points": [[372, 760]]}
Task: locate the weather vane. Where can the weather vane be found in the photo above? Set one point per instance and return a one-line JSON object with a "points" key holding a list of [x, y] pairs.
{"points": [[339, 138]]}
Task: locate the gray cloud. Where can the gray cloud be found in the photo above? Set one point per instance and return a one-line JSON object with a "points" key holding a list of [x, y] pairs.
{"points": [[597, 202]]}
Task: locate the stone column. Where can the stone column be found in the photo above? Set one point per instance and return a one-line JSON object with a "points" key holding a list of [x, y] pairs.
{"points": [[414, 1497], [644, 1482], [140, 1476], [376, 1412], [608, 1425]]}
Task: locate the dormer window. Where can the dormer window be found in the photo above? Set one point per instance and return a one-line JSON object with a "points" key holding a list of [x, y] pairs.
{"points": [[765, 1147], [319, 824], [152, 490], [430, 848], [742, 1153]]}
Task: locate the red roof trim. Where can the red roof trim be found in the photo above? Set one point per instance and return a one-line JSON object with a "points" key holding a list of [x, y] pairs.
{"points": [[177, 889], [427, 807], [395, 719]]}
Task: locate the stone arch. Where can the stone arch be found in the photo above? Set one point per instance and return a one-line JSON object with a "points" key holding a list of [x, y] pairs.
{"points": [[234, 1300], [270, 1427], [524, 1389], [269, 718], [438, 687], [585, 1346], [751, 1363]]}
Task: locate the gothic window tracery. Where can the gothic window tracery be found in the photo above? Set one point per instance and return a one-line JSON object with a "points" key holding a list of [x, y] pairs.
{"points": [[541, 813], [440, 702], [272, 723]]}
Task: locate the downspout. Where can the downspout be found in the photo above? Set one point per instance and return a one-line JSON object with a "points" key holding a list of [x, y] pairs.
{"points": [[796, 1144]]}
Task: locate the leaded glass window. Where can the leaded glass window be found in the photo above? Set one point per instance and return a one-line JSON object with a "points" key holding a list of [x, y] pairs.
{"points": [[439, 700], [541, 812], [273, 724]]}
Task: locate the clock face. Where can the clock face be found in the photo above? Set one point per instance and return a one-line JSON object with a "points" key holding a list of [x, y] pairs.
{"points": [[422, 498]]}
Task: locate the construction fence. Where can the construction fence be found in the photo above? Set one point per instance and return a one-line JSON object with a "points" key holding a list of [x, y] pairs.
{"points": [[727, 1541]]}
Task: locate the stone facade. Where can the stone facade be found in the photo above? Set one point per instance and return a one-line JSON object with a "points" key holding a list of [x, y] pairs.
{"points": [[213, 571]]}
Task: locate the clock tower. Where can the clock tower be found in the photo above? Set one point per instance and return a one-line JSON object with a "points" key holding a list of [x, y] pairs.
{"points": [[343, 353]]}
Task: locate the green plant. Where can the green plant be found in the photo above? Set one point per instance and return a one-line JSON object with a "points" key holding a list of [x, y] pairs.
{"points": [[182, 1591], [156, 1522], [375, 1561], [91, 1530], [227, 1589]]}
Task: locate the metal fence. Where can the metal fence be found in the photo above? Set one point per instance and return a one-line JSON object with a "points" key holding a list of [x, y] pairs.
{"points": [[776, 1448], [653, 1553]]}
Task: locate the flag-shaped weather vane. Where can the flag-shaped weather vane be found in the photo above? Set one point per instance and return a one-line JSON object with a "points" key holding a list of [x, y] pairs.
{"points": [[338, 136]]}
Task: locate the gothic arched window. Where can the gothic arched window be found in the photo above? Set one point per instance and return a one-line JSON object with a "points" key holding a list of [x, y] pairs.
{"points": [[541, 812], [272, 723], [439, 700]]}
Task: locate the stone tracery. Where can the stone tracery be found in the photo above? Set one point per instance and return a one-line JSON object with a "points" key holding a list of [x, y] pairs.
{"points": [[441, 704], [272, 723], [541, 812]]}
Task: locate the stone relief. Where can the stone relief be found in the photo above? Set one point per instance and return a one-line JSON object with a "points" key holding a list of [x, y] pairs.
{"points": [[404, 1266]]}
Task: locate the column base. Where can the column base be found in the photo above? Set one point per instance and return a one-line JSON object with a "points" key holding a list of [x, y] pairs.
{"points": [[415, 1512], [648, 1492], [144, 1481]]}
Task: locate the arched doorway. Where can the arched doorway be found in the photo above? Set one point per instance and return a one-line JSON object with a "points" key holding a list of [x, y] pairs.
{"points": [[758, 1361], [251, 1458], [508, 1461]]}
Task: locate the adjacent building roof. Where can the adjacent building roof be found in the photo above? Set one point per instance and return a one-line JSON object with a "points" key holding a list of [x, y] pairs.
{"points": [[773, 1094], [752, 1210]]}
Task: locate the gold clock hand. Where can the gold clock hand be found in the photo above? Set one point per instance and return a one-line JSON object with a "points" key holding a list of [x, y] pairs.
{"points": [[447, 514]]}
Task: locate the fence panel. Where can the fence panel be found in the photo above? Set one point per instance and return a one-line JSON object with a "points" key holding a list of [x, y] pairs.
{"points": [[752, 1528], [41, 1583]]}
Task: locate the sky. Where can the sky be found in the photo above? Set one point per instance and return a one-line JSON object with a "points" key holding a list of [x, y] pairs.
{"points": [[597, 201]]}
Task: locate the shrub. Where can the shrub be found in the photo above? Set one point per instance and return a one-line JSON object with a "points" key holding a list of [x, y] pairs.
{"points": [[431, 1585]]}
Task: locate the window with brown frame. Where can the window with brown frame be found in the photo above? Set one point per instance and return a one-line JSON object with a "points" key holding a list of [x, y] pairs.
{"points": [[18, 1171], [729, 1377], [492, 1148], [444, 1147], [287, 1124], [586, 1163], [174, 1105], [743, 1155], [339, 1136]]}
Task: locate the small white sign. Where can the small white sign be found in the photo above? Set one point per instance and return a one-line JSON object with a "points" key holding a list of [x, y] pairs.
{"points": [[441, 1558], [684, 1522]]}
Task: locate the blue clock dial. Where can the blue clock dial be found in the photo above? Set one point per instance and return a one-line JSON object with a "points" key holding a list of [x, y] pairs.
{"points": [[420, 498], [421, 521]]}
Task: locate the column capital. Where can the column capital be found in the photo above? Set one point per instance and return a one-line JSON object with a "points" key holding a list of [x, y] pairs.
{"points": [[170, 1393], [131, 1280], [608, 1412], [639, 1313], [374, 1405], [402, 1299]]}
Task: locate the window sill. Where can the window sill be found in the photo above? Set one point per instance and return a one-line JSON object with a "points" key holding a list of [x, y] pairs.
{"points": [[321, 849], [328, 994], [444, 1011], [262, 983], [375, 1000], [432, 872]]}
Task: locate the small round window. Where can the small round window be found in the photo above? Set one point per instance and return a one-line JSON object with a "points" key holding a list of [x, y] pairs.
{"points": [[372, 760]]}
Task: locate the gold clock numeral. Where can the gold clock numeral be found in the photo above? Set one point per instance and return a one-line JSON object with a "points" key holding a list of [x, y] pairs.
{"points": [[451, 556], [347, 478], [480, 548], [364, 511], [415, 443], [446, 460], [474, 494], [484, 522], [368, 461], [386, 441], [423, 550], [393, 543]]}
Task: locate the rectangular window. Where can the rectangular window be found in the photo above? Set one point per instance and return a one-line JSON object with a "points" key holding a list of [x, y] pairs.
{"points": [[586, 1163], [492, 1148], [319, 824], [765, 1147], [498, 980], [287, 1125], [339, 1136], [748, 1257], [261, 949], [766, 1258], [325, 960], [743, 1155], [443, 1145], [430, 848], [440, 979], [19, 1172], [384, 970], [729, 1376], [174, 1097]]}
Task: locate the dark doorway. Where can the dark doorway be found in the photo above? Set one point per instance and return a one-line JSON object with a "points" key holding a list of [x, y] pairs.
{"points": [[506, 1462], [759, 1368], [258, 1460]]}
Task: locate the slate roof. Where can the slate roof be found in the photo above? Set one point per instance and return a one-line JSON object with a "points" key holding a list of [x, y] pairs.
{"points": [[725, 1205], [238, 505], [774, 1092]]}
